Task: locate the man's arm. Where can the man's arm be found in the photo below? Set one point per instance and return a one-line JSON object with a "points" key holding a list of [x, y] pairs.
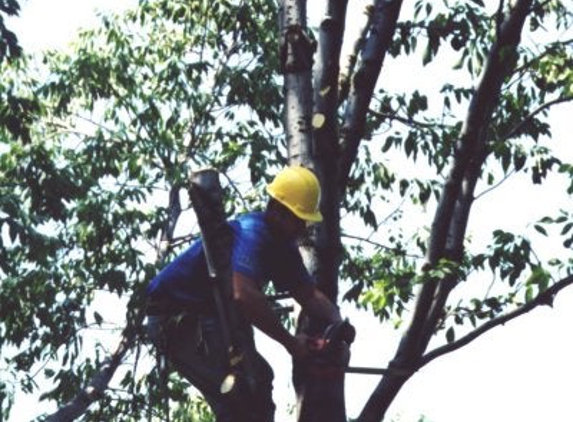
{"points": [[316, 303], [254, 306]]}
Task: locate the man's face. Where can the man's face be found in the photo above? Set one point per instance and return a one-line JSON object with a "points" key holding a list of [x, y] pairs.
{"points": [[292, 226], [287, 223]]}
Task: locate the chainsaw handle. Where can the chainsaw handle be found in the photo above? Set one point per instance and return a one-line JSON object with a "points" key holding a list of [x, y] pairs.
{"points": [[340, 331], [336, 335]]}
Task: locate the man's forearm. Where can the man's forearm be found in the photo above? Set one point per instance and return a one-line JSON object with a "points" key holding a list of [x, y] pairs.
{"points": [[254, 306], [317, 304]]}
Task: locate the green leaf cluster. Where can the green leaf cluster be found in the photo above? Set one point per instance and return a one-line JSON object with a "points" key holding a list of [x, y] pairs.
{"points": [[95, 150]]}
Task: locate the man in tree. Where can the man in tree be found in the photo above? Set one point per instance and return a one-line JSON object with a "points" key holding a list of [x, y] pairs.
{"points": [[182, 318]]}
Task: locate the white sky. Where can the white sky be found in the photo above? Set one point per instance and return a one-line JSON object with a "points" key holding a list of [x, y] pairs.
{"points": [[520, 372]]}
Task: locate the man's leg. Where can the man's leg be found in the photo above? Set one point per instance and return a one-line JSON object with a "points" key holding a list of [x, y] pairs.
{"points": [[195, 348], [179, 338], [264, 390]]}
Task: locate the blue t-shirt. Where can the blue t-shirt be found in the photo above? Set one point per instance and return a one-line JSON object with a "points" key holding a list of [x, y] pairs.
{"points": [[257, 254]]}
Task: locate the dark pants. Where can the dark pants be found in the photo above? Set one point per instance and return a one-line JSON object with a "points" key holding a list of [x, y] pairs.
{"points": [[194, 346]]}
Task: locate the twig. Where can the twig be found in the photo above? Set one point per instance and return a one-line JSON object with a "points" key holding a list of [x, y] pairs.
{"points": [[507, 176]]}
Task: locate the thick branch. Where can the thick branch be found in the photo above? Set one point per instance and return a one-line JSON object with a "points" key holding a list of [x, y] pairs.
{"points": [[450, 222], [384, 20], [353, 57], [325, 146], [449, 225], [470, 149], [296, 63], [544, 298]]}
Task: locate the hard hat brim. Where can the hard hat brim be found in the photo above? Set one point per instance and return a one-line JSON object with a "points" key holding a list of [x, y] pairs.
{"points": [[311, 218], [314, 217]]}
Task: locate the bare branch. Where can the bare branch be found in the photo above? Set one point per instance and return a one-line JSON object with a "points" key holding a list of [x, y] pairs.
{"points": [[379, 245], [493, 187], [408, 121], [538, 110], [543, 298]]}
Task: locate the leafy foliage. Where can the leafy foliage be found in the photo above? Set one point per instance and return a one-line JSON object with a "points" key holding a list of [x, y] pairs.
{"points": [[87, 164], [96, 146], [9, 47]]}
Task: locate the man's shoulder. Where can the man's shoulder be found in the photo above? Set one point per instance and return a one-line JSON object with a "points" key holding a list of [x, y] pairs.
{"points": [[252, 232], [252, 222]]}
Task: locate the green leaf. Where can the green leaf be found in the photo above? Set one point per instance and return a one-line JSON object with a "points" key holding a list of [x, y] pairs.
{"points": [[566, 228], [450, 335], [98, 318]]}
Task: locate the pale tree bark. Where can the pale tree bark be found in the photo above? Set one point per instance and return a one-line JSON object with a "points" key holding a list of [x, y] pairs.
{"points": [[296, 51], [320, 398], [296, 58], [452, 214]]}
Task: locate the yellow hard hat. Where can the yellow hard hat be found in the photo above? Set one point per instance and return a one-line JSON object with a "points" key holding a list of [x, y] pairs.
{"points": [[297, 188]]}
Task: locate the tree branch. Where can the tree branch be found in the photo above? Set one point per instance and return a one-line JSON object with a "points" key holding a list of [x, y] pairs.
{"points": [[385, 17], [544, 298], [325, 148], [346, 75], [408, 121], [450, 221], [493, 187], [538, 110], [296, 55], [448, 241], [99, 383]]}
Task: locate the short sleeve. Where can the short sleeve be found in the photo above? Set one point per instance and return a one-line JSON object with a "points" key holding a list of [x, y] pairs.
{"points": [[248, 250]]}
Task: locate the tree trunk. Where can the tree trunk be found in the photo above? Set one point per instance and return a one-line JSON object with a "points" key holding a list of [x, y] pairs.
{"points": [[450, 221], [320, 393]]}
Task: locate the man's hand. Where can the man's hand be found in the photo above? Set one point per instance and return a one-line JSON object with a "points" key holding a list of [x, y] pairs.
{"points": [[340, 331], [299, 347], [256, 309]]}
